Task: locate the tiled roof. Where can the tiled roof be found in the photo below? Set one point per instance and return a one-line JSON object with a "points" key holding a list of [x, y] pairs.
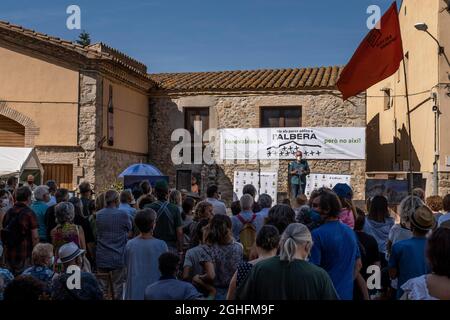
{"points": [[104, 48], [254, 80], [87, 52]]}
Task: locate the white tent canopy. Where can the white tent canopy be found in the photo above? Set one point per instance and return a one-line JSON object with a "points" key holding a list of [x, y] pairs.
{"points": [[13, 161]]}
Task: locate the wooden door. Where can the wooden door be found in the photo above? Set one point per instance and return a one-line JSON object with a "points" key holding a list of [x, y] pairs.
{"points": [[61, 173], [12, 133]]}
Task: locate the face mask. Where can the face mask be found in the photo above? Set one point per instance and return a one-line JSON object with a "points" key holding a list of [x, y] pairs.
{"points": [[299, 158], [5, 202], [314, 212], [52, 260]]}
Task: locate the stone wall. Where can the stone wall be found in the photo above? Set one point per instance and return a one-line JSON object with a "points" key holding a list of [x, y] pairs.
{"points": [[110, 163], [444, 183], [321, 109]]}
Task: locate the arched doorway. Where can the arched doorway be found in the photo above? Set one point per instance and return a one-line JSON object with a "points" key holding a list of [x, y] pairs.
{"points": [[12, 133]]}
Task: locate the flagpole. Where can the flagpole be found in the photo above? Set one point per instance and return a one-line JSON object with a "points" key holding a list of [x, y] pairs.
{"points": [[410, 147]]}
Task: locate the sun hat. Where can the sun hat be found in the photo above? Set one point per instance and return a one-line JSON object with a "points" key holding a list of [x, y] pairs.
{"points": [[69, 252], [423, 218], [343, 190]]}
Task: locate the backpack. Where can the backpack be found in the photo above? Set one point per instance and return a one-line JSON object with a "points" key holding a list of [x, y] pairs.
{"points": [[247, 235], [12, 235]]}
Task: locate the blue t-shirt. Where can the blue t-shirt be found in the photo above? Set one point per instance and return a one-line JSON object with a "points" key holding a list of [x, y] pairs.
{"points": [[141, 258], [335, 249], [408, 257], [40, 208], [128, 209], [443, 218], [237, 225], [169, 288]]}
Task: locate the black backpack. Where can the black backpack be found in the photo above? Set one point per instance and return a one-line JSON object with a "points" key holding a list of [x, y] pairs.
{"points": [[13, 234]]}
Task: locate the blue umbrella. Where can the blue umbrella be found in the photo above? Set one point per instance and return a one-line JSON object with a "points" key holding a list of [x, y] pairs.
{"points": [[141, 169]]}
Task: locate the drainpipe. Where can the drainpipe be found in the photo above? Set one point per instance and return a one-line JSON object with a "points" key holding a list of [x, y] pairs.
{"points": [[436, 145]]}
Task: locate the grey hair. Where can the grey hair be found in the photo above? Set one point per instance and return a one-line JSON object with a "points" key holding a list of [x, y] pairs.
{"points": [[111, 196], [40, 192], [246, 202], [265, 201], [295, 234], [175, 197], [64, 212], [407, 207]]}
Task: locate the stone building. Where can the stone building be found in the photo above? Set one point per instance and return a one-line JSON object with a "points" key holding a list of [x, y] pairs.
{"points": [[250, 99], [92, 111], [84, 109]]}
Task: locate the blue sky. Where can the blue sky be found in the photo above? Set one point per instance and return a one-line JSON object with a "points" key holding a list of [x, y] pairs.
{"points": [[210, 35]]}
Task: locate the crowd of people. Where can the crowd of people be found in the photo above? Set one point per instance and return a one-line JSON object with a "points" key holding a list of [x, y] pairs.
{"points": [[153, 243]]}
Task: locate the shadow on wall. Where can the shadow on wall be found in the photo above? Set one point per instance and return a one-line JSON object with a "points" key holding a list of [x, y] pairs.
{"points": [[164, 118], [225, 185], [381, 157]]}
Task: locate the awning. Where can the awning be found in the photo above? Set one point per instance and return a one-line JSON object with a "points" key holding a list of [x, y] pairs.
{"points": [[13, 161]]}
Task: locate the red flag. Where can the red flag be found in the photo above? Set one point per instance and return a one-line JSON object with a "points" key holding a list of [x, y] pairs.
{"points": [[377, 57]]}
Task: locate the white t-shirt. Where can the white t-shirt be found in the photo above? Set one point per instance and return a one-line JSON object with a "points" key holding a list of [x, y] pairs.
{"points": [[417, 289]]}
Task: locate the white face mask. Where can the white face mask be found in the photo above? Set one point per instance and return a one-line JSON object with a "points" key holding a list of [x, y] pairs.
{"points": [[52, 260], [5, 202], [299, 158]]}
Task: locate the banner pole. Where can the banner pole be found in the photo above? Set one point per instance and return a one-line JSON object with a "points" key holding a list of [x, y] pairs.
{"points": [[410, 147], [259, 178]]}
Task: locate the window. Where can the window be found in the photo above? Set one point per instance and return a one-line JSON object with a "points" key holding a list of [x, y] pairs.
{"points": [[273, 117], [184, 179], [110, 118], [193, 117], [387, 98]]}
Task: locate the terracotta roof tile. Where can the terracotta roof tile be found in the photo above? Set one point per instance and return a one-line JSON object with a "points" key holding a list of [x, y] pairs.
{"points": [[275, 79], [114, 56]]}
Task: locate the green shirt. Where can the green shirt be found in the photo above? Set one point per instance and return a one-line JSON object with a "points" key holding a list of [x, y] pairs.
{"points": [[302, 165], [167, 221], [297, 280]]}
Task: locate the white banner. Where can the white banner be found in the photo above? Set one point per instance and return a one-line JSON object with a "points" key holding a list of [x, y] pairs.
{"points": [[338, 143], [318, 180], [269, 182]]}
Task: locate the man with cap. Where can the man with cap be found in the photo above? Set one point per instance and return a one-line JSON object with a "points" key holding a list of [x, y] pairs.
{"points": [[169, 224], [407, 259], [348, 211], [71, 257], [86, 197], [52, 187], [298, 170]]}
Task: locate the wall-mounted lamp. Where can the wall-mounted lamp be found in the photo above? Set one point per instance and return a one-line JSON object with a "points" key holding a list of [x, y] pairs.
{"points": [[422, 26]]}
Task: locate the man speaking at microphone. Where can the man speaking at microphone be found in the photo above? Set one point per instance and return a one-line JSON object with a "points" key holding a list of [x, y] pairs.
{"points": [[298, 169]]}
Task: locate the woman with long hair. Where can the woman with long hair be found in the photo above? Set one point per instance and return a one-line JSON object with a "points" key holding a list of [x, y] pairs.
{"points": [[280, 216], [378, 224], [223, 254]]}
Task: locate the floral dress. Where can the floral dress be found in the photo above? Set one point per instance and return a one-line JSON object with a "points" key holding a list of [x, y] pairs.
{"points": [[63, 234]]}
